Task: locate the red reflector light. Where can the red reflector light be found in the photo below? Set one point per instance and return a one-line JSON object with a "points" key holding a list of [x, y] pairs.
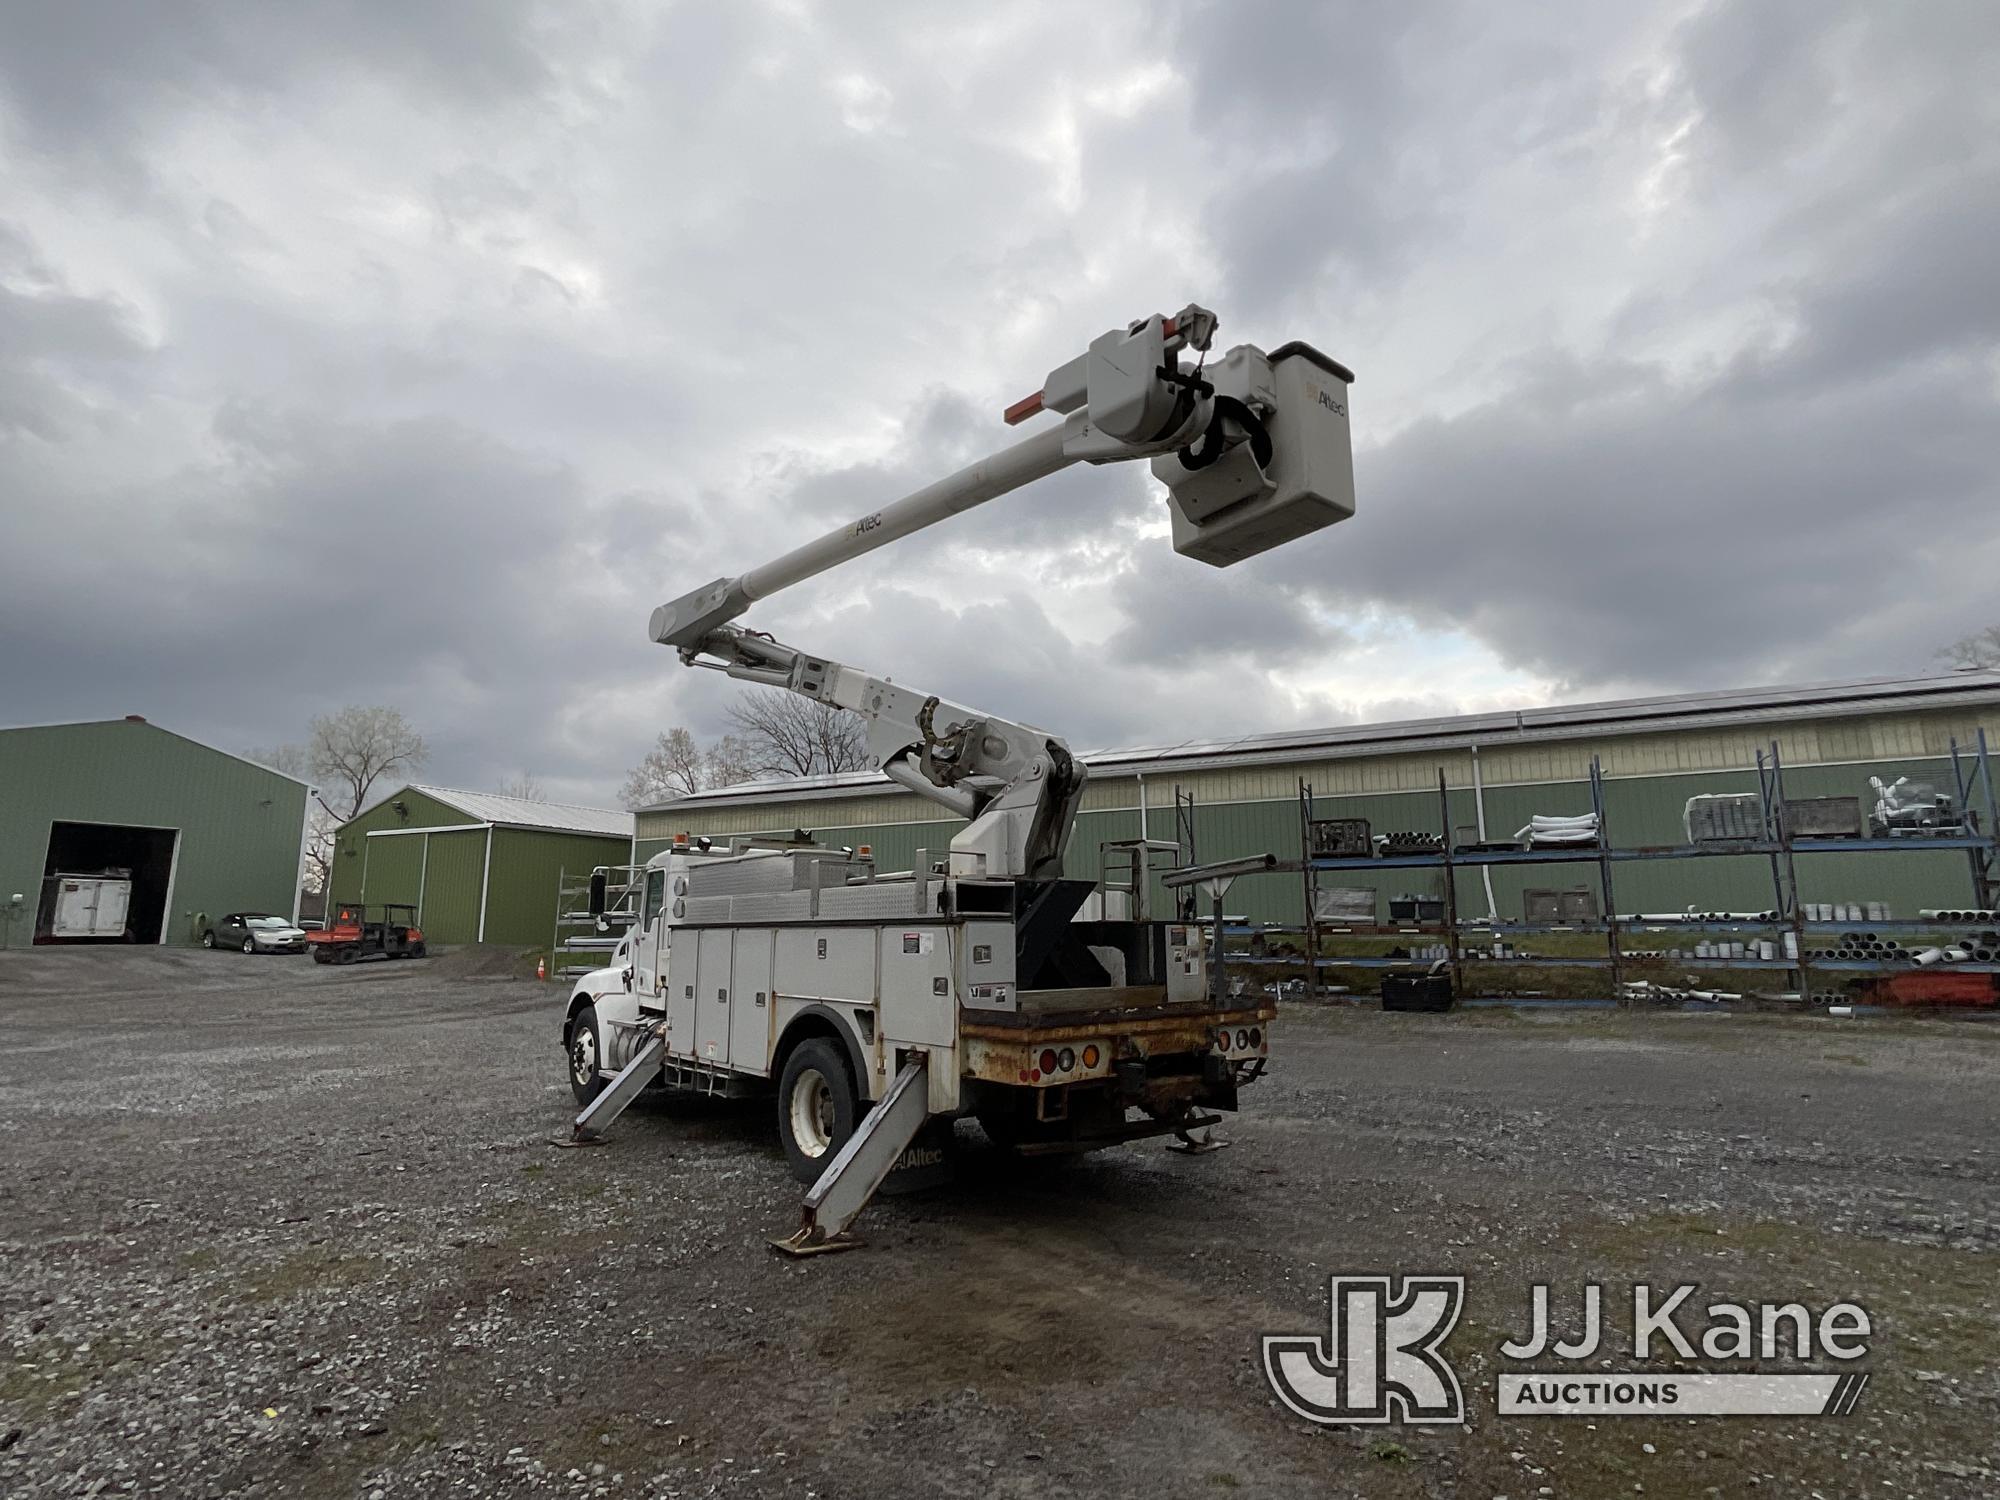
{"points": [[1034, 1077], [1024, 1075], [1048, 1059]]}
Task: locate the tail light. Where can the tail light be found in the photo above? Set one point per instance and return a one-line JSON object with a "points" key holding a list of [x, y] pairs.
{"points": [[1048, 1059], [1091, 1055], [1067, 1059]]}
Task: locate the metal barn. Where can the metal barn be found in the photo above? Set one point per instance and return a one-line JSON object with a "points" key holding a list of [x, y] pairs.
{"points": [[1656, 754], [479, 867], [197, 830]]}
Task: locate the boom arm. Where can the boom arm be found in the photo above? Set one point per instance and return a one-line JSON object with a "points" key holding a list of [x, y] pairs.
{"points": [[1127, 397]]}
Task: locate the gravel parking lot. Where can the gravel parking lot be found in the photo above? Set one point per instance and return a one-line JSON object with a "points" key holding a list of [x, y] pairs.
{"points": [[269, 1229]]}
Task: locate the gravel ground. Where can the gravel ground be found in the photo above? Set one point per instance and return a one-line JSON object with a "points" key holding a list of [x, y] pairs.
{"points": [[268, 1229]]}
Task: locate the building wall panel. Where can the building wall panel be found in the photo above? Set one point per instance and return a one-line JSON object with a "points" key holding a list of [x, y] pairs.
{"points": [[451, 885], [240, 824], [528, 865]]}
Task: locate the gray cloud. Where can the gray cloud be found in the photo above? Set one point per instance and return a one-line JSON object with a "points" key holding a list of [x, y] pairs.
{"points": [[421, 350]]}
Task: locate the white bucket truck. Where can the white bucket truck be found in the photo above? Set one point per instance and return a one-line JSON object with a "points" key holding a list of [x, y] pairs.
{"points": [[979, 982]]}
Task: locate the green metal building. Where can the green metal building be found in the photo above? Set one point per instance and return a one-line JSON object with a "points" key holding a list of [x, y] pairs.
{"points": [[1656, 753], [200, 830], [479, 868]]}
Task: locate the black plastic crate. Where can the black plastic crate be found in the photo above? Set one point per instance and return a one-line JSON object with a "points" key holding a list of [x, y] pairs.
{"points": [[1419, 992]]}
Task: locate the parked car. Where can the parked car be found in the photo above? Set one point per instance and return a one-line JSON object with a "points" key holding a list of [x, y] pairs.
{"points": [[255, 932]]}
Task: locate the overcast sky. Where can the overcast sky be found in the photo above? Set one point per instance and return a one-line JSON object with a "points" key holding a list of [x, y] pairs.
{"points": [[410, 353]]}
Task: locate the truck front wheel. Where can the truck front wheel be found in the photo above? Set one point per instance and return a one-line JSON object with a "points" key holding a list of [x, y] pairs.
{"points": [[818, 1106], [584, 1056]]}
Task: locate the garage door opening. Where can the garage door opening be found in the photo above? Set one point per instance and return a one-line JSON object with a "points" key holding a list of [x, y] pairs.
{"points": [[143, 855]]}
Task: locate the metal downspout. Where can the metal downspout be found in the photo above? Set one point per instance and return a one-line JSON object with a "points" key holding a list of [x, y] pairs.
{"points": [[1479, 815]]}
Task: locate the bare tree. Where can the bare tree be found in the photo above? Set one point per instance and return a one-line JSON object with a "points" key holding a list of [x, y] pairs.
{"points": [[527, 786], [792, 736], [679, 765], [1980, 649], [672, 768], [730, 761], [351, 751]]}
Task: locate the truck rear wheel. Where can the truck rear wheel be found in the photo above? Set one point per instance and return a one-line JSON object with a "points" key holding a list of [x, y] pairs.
{"points": [[585, 1054], [818, 1106]]}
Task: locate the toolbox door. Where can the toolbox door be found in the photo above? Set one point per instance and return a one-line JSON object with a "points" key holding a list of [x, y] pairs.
{"points": [[713, 995]]}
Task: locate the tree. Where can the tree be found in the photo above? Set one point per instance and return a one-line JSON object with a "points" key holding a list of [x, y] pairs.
{"points": [[1980, 649], [730, 761], [344, 756], [792, 736], [351, 751], [679, 765], [527, 786]]}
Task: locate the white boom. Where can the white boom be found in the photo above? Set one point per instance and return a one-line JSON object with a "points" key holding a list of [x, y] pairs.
{"points": [[1254, 451]]}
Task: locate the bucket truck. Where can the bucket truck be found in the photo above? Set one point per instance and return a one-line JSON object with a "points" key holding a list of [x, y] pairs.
{"points": [[870, 1002]]}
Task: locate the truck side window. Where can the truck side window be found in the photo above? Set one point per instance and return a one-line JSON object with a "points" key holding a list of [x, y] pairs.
{"points": [[656, 894]]}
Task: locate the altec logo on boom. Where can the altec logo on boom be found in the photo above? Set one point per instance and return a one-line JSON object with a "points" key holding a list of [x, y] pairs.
{"points": [[1384, 1360]]}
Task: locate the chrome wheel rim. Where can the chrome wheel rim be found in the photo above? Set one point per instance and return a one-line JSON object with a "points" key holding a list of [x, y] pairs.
{"points": [[811, 1110], [583, 1056]]}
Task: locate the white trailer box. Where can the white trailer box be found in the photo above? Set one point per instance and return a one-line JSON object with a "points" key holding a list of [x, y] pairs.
{"points": [[90, 906]]}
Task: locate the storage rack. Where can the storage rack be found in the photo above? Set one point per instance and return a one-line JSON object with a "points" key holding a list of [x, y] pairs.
{"points": [[1972, 777], [582, 940]]}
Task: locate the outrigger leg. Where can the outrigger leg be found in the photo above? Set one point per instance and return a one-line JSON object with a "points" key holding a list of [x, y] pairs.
{"points": [[851, 1178], [628, 1085]]}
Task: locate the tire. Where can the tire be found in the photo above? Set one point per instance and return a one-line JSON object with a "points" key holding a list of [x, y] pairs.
{"points": [[418, 951], [818, 1106], [208, 939], [249, 945], [586, 1054]]}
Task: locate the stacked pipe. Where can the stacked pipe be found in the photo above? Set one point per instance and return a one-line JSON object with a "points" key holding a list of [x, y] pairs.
{"points": [[1544, 828], [1960, 914], [1982, 950], [1846, 911], [1864, 947]]}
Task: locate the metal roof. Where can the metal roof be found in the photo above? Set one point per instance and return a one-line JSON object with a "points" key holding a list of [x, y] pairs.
{"points": [[1571, 721], [521, 812]]}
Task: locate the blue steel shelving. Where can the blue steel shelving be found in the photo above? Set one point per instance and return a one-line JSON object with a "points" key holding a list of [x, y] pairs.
{"points": [[1972, 777]]}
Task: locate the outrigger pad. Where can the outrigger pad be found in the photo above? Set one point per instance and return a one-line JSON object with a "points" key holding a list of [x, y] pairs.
{"points": [[801, 1245], [1189, 1146]]}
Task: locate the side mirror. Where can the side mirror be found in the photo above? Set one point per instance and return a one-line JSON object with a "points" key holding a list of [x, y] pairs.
{"points": [[599, 884]]}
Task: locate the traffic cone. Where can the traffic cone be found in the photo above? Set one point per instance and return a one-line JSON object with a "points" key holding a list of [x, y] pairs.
{"points": [[541, 968]]}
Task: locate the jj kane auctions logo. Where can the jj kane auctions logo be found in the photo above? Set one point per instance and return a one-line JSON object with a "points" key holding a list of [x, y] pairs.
{"points": [[1383, 1361]]}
